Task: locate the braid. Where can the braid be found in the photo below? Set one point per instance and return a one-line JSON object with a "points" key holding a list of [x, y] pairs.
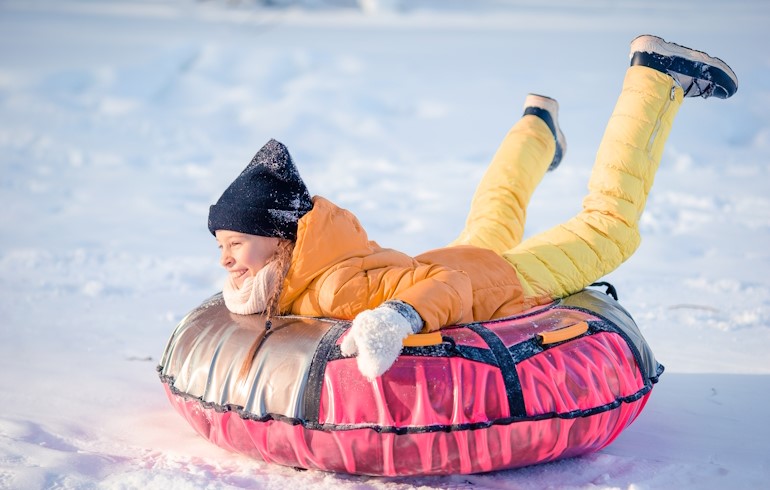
{"points": [[282, 258]]}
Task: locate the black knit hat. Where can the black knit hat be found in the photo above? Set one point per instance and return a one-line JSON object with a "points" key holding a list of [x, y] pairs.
{"points": [[267, 198]]}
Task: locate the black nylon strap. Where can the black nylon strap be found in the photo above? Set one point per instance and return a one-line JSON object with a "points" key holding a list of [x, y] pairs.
{"points": [[500, 356], [311, 402], [441, 350], [507, 369]]}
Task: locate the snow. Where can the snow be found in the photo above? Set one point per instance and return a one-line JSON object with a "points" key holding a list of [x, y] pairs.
{"points": [[121, 122]]}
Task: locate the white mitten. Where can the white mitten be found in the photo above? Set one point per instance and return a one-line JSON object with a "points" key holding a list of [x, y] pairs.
{"points": [[377, 335]]}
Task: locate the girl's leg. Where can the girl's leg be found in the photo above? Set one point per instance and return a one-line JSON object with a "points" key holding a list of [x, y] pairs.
{"points": [[570, 256], [499, 205]]}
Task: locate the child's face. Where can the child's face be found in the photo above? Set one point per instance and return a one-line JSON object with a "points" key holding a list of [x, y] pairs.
{"points": [[243, 255]]}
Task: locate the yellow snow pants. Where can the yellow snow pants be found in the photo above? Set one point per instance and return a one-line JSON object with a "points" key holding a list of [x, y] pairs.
{"points": [[574, 254]]}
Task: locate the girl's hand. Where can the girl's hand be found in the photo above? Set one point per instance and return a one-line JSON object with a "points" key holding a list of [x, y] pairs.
{"points": [[376, 336]]}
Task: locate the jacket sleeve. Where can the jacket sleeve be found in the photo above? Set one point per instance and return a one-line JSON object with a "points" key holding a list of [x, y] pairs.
{"points": [[440, 295]]}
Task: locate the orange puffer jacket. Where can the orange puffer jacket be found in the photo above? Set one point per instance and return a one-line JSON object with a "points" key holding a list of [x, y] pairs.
{"points": [[338, 272]]}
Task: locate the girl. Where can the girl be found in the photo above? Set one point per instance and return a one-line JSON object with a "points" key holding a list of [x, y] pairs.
{"points": [[288, 253]]}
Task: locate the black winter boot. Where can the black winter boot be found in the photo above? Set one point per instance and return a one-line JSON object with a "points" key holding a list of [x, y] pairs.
{"points": [[699, 74], [547, 109]]}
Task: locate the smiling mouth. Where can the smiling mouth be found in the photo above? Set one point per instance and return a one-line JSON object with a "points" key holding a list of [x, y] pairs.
{"points": [[238, 274]]}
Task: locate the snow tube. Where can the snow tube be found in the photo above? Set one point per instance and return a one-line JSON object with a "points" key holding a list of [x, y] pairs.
{"points": [[554, 382]]}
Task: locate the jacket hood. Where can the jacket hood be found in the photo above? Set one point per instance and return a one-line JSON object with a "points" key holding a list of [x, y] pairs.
{"points": [[326, 236]]}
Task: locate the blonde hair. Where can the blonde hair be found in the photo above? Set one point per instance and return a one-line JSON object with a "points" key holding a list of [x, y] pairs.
{"points": [[282, 260]]}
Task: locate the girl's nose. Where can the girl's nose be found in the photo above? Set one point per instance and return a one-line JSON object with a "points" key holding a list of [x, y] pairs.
{"points": [[226, 259]]}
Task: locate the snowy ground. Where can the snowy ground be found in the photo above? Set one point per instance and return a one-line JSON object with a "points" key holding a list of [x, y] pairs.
{"points": [[120, 122]]}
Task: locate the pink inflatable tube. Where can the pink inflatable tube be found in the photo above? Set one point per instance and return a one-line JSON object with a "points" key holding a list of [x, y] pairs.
{"points": [[555, 382]]}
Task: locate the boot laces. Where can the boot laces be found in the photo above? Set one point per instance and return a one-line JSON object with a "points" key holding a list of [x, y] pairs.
{"points": [[694, 87], [699, 88]]}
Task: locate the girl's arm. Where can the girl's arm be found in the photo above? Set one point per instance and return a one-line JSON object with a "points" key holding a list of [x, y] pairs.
{"points": [[440, 295]]}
